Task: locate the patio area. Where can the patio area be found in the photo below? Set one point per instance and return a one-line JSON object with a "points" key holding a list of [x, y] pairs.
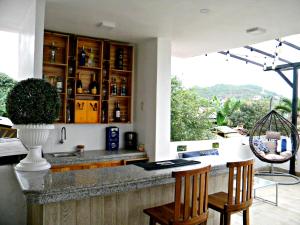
{"points": [[287, 211]]}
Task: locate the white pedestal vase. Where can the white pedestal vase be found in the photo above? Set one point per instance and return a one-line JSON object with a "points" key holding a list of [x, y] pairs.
{"points": [[33, 136]]}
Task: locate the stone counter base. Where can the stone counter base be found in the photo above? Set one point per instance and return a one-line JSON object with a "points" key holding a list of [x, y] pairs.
{"points": [[115, 209]]}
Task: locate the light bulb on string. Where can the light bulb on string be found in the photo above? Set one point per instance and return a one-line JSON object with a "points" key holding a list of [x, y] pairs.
{"points": [[265, 66], [227, 56]]}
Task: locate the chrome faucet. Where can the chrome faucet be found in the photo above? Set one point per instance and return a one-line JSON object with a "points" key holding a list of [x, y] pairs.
{"points": [[63, 135]]}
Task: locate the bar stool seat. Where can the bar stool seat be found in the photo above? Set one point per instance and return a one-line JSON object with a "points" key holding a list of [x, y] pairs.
{"points": [[239, 196], [218, 200], [193, 210]]}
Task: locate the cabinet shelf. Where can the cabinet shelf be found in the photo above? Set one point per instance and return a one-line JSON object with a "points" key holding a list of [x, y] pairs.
{"points": [[89, 68], [55, 64], [121, 71], [90, 95], [119, 96]]}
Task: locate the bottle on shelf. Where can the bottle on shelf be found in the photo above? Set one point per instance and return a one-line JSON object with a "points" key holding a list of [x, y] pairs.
{"points": [[91, 56], [117, 112], [103, 112], [69, 89], [123, 91], [69, 114], [59, 84], [82, 57], [104, 91], [93, 84], [71, 69], [53, 50], [79, 85], [105, 70], [119, 59], [114, 88]]}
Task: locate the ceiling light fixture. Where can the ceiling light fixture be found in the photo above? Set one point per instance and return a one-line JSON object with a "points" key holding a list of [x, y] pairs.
{"points": [[256, 30], [107, 25], [204, 11]]}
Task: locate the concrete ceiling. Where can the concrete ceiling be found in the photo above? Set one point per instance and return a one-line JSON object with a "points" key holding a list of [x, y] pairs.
{"points": [[192, 32], [12, 14]]}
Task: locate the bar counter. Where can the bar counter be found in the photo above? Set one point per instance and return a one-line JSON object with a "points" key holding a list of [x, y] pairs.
{"points": [[108, 196]]}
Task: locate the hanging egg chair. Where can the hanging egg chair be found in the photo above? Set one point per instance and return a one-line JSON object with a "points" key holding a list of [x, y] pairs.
{"points": [[274, 139]]}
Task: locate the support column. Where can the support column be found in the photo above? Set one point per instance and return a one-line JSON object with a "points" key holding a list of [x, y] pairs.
{"points": [[294, 116], [152, 96]]}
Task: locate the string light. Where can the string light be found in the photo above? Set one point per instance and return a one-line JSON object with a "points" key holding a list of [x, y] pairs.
{"points": [[227, 56], [265, 64]]}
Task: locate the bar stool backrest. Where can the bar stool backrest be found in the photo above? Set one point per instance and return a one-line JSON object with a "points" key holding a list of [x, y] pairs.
{"points": [[240, 183], [192, 187]]}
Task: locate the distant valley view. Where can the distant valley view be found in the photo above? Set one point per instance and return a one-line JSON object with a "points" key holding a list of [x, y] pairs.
{"points": [[240, 92], [197, 111]]}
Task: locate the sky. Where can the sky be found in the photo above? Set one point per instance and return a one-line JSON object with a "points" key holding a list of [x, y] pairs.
{"points": [[215, 68], [206, 71]]}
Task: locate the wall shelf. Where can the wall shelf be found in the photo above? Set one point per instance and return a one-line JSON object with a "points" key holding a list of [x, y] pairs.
{"points": [[82, 58]]}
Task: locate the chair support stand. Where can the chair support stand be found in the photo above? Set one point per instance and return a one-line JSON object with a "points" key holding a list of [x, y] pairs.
{"points": [[271, 173]]}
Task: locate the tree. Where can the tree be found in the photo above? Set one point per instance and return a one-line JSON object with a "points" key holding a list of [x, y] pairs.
{"points": [[285, 106], [189, 114], [6, 84], [249, 113], [224, 111]]}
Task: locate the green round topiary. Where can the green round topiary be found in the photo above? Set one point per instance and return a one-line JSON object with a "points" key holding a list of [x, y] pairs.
{"points": [[33, 101]]}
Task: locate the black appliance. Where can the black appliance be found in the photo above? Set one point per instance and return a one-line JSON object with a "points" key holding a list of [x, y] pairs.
{"points": [[131, 140], [112, 138]]}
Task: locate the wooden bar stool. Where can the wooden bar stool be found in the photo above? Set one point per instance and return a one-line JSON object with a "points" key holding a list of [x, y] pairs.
{"points": [[239, 196], [194, 209]]}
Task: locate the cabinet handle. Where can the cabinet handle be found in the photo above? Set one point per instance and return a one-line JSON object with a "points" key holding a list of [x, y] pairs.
{"points": [[80, 106], [94, 107]]}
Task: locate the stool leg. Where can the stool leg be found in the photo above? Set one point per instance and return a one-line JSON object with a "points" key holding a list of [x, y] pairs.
{"points": [[152, 222], [227, 217], [246, 220], [221, 218]]}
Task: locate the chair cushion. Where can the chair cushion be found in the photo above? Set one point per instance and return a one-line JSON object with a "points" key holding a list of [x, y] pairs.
{"points": [[260, 145]]}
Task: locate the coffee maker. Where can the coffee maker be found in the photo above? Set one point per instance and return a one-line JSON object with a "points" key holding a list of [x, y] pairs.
{"points": [[131, 140]]}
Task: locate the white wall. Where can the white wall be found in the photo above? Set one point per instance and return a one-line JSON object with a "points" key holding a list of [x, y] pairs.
{"points": [[92, 136], [145, 98], [163, 99], [27, 43], [39, 38], [152, 96]]}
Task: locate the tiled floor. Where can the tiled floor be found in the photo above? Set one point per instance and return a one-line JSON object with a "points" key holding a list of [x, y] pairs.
{"points": [[286, 213]]}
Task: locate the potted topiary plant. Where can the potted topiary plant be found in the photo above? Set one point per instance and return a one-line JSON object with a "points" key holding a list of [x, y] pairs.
{"points": [[33, 105]]}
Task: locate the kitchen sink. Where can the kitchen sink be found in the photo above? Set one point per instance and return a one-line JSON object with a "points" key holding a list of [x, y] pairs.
{"points": [[65, 154]]}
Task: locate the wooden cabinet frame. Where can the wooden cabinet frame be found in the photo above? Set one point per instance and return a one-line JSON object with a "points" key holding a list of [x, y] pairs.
{"points": [[68, 47]]}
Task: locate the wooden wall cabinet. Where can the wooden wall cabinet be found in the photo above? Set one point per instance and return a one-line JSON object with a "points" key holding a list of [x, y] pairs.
{"points": [[77, 60], [55, 65], [120, 74]]}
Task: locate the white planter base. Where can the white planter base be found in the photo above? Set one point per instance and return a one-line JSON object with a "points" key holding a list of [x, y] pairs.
{"points": [[33, 161], [33, 136]]}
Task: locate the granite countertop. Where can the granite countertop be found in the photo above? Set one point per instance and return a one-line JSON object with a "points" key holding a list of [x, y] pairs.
{"points": [[46, 187], [95, 156]]}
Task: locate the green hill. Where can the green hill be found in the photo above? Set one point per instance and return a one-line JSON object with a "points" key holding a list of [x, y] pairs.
{"points": [[237, 91]]}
